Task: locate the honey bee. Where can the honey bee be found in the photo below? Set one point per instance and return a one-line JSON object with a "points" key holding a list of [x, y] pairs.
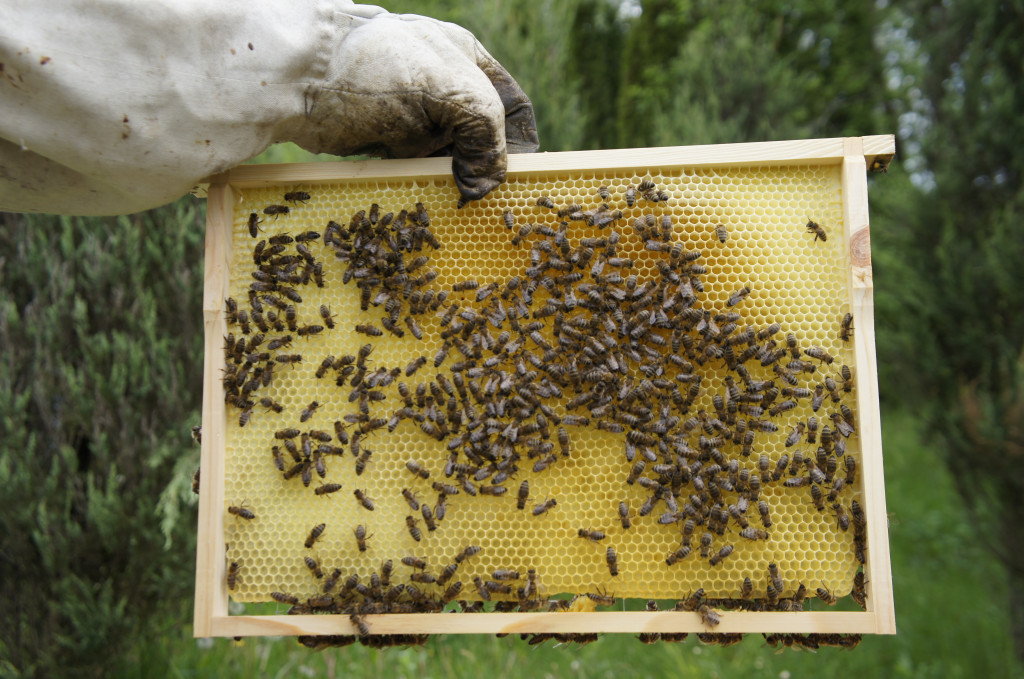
{"points": [[411, 499], [678, 555], [544, 506], [722, 232], [817, 497], [624, 515], [323, 601], [753, 534], [481, 589], [509, 220], [847, 376], [842, 425], [232, 575], [283, 598], [747, 589], [361, 461], [820, 354], [442, 354], [296, 196], [593, 535], [846, 328], [709, 616], [315, 534], [505, 574], [851, 470], [524, 231], [254, 222], [612, 559], [414, 327], [630, 196], [361, 537], [325, 365], [339, 432], [276, 210], [325, 313], [523, 495], [363, 499], [842, 518], [428, 517], [308, 412], [245, 416], [422, 216], [445, 488], [364, 353], [278, 458], [636, 471], [313, 567], [360, 624], [279, 342], [825, 595], [418, 469], [466, 553], [328, 488], [777, 582], [545, 201], [762, 509], [368, 329], [414, 530], [331, 580], [563, 440], [722, 554], [241, 512], [738, 296], [815, 228], [423, 578], [837, 487], [858, 593], [494, 491]]}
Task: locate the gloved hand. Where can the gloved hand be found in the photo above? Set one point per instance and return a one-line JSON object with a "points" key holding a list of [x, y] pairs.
{"points": [[106, 109], [403, 86]]}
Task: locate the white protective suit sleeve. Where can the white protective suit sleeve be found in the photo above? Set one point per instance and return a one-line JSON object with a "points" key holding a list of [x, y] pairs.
{"points": [[116, 106]]}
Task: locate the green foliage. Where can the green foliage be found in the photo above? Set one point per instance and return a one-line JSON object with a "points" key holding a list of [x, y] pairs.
{"points": [[950, 258], [954, 254], [100, 378]]}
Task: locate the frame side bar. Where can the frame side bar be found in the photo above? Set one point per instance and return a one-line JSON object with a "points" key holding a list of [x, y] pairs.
{"points": [[878, 571], [211, 588]]}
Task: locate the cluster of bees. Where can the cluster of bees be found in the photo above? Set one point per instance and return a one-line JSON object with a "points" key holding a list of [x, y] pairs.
{"points": [[347, 595], [424, 592], [578, 340]]}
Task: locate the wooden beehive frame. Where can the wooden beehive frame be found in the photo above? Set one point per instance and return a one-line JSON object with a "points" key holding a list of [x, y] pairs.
{"points": [[854, 154]]}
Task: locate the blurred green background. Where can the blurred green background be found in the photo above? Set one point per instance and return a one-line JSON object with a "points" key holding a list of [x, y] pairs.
{"points": [[100, 325]]}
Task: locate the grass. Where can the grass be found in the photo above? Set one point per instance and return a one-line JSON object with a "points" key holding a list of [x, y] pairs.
{"points": [[949, 612]]}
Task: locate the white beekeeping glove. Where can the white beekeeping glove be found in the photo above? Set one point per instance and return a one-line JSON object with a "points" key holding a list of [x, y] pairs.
{"points": [[114, 106]]}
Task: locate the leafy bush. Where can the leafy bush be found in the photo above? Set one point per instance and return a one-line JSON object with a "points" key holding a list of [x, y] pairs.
{"points": [[100, 379]]}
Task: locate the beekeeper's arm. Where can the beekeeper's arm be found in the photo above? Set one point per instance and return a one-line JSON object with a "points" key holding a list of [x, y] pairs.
{"points": [[116, 106]]}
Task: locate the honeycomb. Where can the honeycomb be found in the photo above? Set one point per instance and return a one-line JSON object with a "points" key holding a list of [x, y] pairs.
{"points": [[796, 280]]}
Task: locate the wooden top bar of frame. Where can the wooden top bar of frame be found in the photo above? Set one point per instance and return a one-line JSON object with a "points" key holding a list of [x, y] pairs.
{"points": [[826, 151]]}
